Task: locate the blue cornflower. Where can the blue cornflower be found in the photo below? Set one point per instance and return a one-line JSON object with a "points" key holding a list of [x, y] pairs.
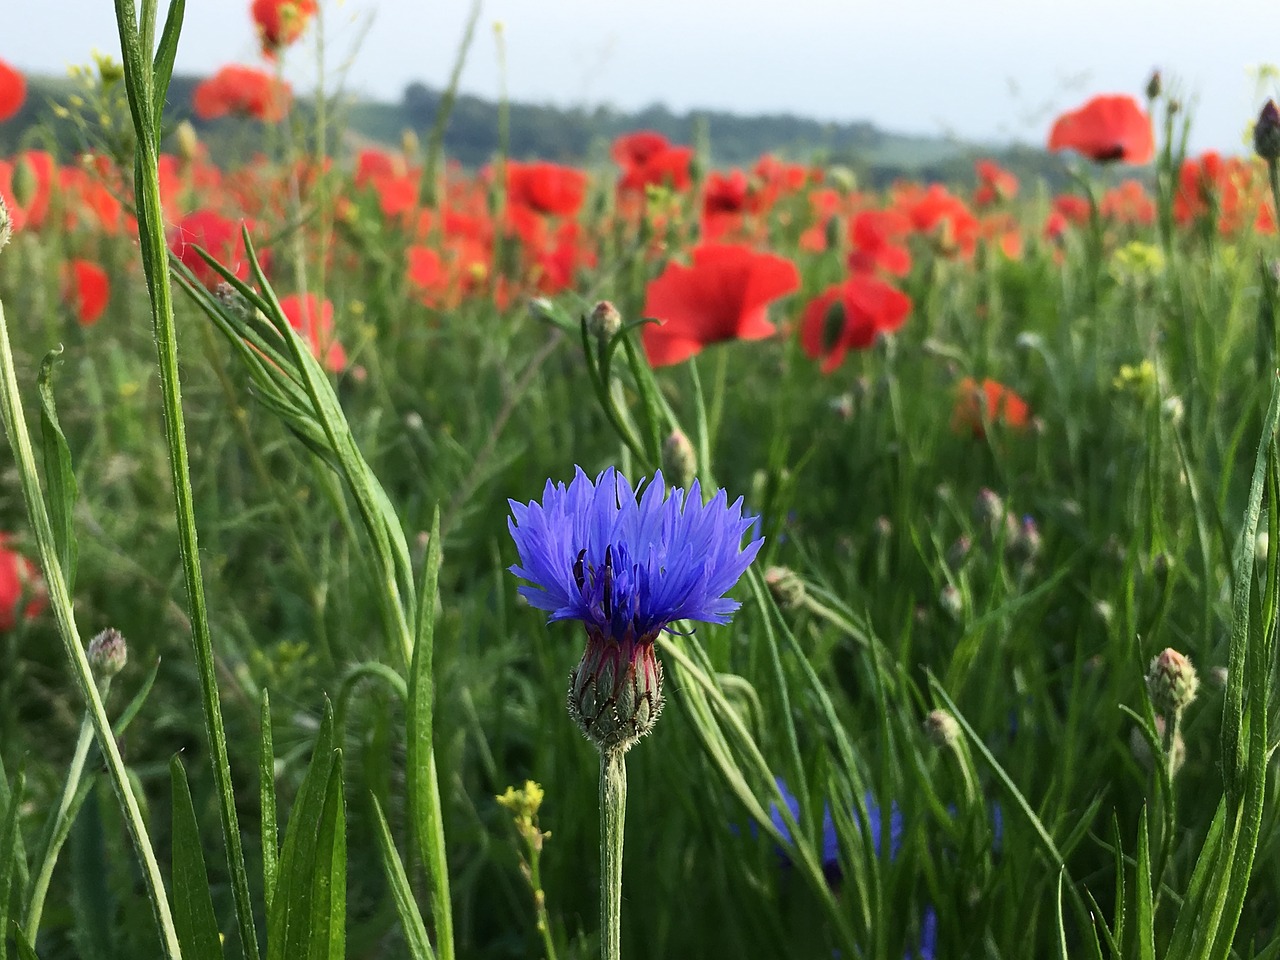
{"points": [[627, 562], [830, 841]]}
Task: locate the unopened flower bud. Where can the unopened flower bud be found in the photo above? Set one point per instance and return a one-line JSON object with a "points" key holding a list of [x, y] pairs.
{"points": [[1024, 545], [1154, 85], [409, 144], [785, 586], [951, 601], [604, 322], [188, 142], [960, 550], [615, 691], [989, 508], [883, 527], [108, 653], [1219, 676], [1266, 133], [679, 462], [941, 728], [25, 182], [1172, 682]]}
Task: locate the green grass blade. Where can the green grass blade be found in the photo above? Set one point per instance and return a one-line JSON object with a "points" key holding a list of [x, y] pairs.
{"points": [[25, 950], [423, 785], [59, 472], [415, 931], [328, 922], [290, 914], [162, 71], [1144, 914], [193, 914], [267, 803], [8, 857]]}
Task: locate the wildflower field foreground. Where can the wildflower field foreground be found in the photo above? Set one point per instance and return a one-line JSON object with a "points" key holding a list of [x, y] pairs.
{"points": [[907, 560]]}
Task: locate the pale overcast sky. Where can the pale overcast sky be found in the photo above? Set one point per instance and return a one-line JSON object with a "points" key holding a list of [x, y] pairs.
{"points": [[995, 70]]}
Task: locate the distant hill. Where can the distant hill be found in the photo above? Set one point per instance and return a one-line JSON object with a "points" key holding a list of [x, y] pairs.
{"points": [[574, 134]]}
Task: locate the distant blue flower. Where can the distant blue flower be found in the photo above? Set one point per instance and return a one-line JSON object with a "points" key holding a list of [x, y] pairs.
{"points": [[627, 563], [928, 948], [830, 842]]}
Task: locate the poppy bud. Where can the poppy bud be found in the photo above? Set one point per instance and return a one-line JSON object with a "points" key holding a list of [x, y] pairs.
{"points": [[188, 142], [1172, 682], [786, 588], [409, 144], [941, 728], [25, 183], [108, 653], [604, 322], [1266, 133], [6, 223], [679, 462], [615, 691], [1154, 85]]}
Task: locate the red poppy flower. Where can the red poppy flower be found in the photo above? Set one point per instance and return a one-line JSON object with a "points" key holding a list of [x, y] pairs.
{"points": [[86, 289], [1128, 203], [220, 238], [546, 188], [873, 233], [988, 402], [995, 184], [13, 91], [1106, 128], [281, 22], [313, 318], [849, 316], [19, 579], [243, 91], [649, 159], [725, 198], [943, 217], [723, 295], [636, 149]]}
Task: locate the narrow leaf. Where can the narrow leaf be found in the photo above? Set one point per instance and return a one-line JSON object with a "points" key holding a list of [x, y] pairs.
{"points": [[290, 912], [8, 841], [193, 915], [267, 802], [329, 878], [1145, 910], [165, 54], [415, 931], [60, 476]]}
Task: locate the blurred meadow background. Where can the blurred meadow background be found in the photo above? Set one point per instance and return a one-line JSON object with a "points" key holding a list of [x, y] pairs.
{"points": [[990, 364]]}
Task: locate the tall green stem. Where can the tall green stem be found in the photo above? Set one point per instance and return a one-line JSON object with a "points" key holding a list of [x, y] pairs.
{"points": [[140, 81], [613, 814]]}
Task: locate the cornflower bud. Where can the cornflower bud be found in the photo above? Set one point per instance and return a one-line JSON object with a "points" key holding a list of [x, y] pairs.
{"points": [[1154, 85], [941, 728], [1172, 682], [108, 653], [604, 322], [1266, 133], [785, 586]]}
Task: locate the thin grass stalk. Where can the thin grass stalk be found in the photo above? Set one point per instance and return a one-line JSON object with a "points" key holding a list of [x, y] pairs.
{"points": [[60, 605], [140, 84]]}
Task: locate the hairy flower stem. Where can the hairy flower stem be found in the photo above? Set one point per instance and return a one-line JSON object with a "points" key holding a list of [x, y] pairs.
{"points": [[59, 827], [613, 812], [60, 604]]}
